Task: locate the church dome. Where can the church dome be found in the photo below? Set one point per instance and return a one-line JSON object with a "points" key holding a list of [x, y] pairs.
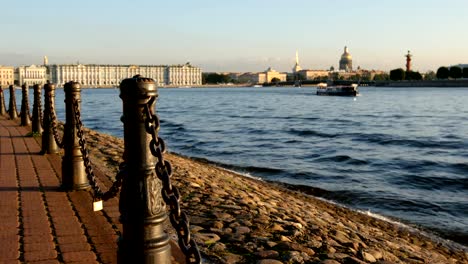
{"points": [[346, 61], [346, 55]]}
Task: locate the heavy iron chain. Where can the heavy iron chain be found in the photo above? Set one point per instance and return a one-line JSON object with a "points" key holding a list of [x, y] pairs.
{"points": [[39, 109], [98, 194], [170, 193], [53, 121]]}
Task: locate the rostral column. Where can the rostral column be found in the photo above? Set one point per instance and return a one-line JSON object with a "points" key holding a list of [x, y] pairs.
{"points": [[408, 61]]}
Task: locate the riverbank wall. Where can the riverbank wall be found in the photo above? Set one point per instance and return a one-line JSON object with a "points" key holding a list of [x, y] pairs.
{"points": [[433, 83], [238, 219]]}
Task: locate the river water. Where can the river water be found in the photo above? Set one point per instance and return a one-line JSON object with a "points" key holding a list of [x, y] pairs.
{"points": [[397, 152]]}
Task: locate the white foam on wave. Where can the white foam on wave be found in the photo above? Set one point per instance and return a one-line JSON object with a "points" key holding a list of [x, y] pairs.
{"points": [[248, 175]]}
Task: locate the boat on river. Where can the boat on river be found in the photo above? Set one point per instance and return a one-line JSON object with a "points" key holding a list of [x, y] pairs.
{"points": [[337, 90]]}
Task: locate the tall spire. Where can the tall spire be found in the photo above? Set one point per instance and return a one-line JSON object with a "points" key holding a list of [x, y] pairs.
{"points": [[46, 60], [296, 67]]}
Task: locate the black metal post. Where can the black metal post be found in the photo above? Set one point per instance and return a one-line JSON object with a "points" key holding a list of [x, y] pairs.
{"points": [[73, 169], [12, 107], [36, 117], [3, 110], [25, 121], [48, 141], [141, 206]]}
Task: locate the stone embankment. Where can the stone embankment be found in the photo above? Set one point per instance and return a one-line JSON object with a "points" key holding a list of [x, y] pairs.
{"points": [[236, 219]]}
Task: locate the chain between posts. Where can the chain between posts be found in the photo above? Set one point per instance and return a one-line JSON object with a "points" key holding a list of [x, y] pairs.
{"points": [[170, 193], [39, 109], [54, 122], [26, 101], [98, 194]]}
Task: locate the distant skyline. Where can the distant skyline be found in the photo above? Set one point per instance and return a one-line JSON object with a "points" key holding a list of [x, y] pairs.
{"points": [[242, 35]]}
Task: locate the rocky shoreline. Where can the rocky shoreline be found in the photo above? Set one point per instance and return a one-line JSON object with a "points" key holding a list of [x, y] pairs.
{"points": [[236, 219]]}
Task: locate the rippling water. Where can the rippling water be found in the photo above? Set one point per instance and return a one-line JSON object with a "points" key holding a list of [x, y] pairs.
{"points": [[398, 152]]}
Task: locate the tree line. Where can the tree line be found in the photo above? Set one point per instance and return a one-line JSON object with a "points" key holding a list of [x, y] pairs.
{"points": [[454, 72], [400, 74]]}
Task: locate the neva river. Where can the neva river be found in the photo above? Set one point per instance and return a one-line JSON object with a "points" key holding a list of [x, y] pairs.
{"points": [[397, 152]]}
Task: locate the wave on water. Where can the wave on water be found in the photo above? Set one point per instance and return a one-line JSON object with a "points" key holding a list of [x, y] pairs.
{"points": [[426, 182], [238, 169], [310, 132], [342, 158], [172, 125], [395, 140]]}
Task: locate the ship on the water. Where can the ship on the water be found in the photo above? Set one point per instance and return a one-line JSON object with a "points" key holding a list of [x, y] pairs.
{"points": [[337, 90]]}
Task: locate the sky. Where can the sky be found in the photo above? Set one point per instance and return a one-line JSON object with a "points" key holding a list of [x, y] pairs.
{"points": [[235, 36]]}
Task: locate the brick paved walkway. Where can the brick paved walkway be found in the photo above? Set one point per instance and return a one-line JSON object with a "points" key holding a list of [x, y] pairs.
{"points": [[39, 223]]}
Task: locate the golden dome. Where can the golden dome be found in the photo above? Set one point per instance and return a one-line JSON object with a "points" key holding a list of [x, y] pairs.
{"points": [[346, 55]]}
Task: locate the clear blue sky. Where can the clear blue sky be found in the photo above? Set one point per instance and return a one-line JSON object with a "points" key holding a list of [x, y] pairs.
{"points": [[241, 35]]}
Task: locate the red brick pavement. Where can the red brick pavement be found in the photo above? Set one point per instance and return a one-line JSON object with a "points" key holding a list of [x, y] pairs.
{"points": [[39, 223]]}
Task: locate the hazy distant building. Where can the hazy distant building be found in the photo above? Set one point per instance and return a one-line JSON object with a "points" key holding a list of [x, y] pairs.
{"points": [[262, 77], [183, 75], [7, 75], [30, 75], [296, 67], [460, 65], [313, 74], [270, 74], [346, 61], [101, 75]]}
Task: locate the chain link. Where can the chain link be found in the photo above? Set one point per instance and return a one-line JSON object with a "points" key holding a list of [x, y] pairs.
{"points": [[98, 194], [170, 193], [39, 109], [26, 100], [53, 121]]}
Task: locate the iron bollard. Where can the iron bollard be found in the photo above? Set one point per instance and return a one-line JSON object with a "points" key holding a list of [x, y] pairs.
{"points": [[3, 110], [142, 208], [36, 117], [73, 169], [48, 141], [25, 121], [12, 107]]}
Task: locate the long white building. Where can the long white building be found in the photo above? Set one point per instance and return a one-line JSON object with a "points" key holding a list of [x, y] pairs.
{"points": [[30, 75], [99, 75]]}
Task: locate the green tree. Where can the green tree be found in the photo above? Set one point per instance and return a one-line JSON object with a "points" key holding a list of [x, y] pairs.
{"points": [[455, 72], [397, 74], [214, 78], [381, 77], [465, 73], [430, 75], [442, 73], [411, 75], [275, 80]]}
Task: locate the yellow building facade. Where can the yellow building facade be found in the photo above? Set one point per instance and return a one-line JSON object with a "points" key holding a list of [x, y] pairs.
{"points": [[313, 74], [270, 74], [7, 75]]}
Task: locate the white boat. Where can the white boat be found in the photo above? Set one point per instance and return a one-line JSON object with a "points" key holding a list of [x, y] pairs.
{"points": [[337, 90]]}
